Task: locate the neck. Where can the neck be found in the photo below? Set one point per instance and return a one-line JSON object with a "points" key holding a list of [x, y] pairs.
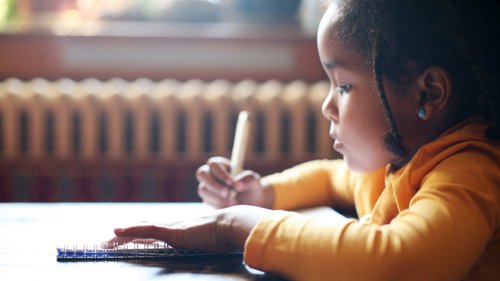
{"points": [[427, 135]]}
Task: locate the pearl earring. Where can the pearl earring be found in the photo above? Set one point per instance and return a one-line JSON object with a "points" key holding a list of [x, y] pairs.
{"points": [[422, 113]]}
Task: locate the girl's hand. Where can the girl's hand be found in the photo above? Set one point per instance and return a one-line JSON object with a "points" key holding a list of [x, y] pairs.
{"points": [[219, 189], [224, 230]]}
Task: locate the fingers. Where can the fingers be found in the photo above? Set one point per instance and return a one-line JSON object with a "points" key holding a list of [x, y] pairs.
{"points": [[220, 170], [142, 232], [215, 179], [214, 199], [135, 234], [218, 188], [246, 180], [116, 241], [200, 233]]}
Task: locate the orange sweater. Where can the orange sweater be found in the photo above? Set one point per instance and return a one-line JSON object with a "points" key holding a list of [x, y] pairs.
{"points": [[436, 218]]}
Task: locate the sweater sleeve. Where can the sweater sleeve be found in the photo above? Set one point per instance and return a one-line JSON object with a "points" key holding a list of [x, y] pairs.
{"points": [[313, 183], [439, 237]]}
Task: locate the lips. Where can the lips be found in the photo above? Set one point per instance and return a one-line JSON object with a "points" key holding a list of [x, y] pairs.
{"points": [[337, 143], [332, 133], [333, 136]]}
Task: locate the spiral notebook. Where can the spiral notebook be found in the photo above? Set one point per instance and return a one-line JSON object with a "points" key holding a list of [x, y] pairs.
{"points": [[129, 251]]}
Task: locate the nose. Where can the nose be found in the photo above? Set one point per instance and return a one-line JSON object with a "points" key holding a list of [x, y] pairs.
{"points": [[329, 107]]}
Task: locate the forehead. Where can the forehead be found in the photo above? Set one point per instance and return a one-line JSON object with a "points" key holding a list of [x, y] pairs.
{"points": [[332, 51]]}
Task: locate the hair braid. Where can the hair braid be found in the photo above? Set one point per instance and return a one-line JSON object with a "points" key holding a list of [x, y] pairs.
{"points": [[393, 140]]}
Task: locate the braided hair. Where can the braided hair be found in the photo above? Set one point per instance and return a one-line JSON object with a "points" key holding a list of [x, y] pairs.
{"points": [[403, 38]]}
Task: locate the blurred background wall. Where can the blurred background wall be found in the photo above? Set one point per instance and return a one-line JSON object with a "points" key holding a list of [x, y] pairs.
{"points": [[123, 100]]}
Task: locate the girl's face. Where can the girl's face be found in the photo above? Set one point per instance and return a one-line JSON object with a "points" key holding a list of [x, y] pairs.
{"points": [[353, 106]]}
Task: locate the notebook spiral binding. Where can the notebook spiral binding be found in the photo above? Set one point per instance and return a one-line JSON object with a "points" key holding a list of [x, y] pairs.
{"points": [[128, 251]]}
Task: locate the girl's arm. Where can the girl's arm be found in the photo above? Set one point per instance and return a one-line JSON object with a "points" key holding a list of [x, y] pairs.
{"points": [[441, 235]]}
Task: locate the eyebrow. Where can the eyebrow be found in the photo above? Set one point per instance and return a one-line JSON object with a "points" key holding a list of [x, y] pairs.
{"points": [[331, 64]]}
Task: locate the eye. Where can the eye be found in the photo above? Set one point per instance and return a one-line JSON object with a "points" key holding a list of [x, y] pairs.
{"points": [[344, 89]]}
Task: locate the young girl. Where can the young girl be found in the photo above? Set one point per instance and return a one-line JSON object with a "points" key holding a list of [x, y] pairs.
{"points": [[414, 110]]}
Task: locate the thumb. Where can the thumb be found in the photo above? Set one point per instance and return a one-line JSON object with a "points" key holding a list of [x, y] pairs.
{"points": [[246, 180]]}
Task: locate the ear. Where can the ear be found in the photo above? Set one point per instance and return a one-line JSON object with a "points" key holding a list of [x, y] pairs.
{"points": [[435, 85]]}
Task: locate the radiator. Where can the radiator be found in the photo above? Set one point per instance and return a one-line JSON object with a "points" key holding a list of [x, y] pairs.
{"points": [[144, 121]]}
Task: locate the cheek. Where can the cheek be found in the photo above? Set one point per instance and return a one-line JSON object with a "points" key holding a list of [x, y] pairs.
{"points": [[364, 116], [363, 125], [368, 135]]}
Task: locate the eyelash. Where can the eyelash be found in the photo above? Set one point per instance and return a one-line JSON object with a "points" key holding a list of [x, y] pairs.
{"points": [[344, 89]]}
